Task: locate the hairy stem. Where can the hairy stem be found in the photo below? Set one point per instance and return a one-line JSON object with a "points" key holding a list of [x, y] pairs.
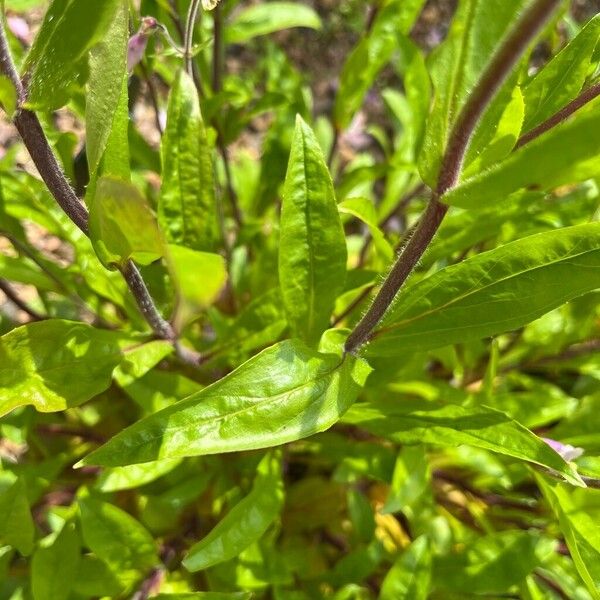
{"points": [[496, 72], [32, 134], [562, 115]]}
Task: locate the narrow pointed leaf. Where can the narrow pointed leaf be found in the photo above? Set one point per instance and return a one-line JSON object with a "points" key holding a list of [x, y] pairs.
{"points": [[69, 30], [410, 576], [416, 422], [285, 393], [562, 78], [312, 247], [16, 524], [246, 521], [187, 209], [494, 292], [566, 154]]}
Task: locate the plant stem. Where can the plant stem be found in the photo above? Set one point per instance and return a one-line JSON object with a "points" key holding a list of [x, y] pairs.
{"points": [[188, 41], [32, 134], [562, 115], [500, 66], [10, 293]]}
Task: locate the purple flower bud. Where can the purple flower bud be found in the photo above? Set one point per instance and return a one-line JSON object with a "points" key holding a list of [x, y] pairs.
{"points": [[135, 49], [19, 28], [566, 451]]}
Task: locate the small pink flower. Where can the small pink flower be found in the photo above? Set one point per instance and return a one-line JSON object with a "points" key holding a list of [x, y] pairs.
{"points": [[566, 451], [19, 28], [138, 42]]}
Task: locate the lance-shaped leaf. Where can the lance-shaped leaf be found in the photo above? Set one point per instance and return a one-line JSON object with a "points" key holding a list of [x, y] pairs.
{"points": [[562, 78], [285, 393], [39, 363], [420, 421], [55, 564], [494, 292], [410, 576], [108, 67], [118, 539], [122, 224], [581, 532], [566, 154], [374, 51], [69, 30], [246, 522], [16, 524], [312, 248], [187, 208], [261, 19], [456, 66]]}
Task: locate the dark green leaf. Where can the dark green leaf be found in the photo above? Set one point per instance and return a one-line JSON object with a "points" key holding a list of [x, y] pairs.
{"points": [[55, 565], [415, 422], [246, 522], [410, 577], [493, 292], [16, 524]]}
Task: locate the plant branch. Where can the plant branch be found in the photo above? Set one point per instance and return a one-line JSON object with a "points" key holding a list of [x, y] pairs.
{"points": [[188, 40], [500, 66], [562, 115], [32, 134], [10, 293]]}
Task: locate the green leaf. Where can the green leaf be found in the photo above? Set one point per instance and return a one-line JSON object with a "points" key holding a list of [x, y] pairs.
{"points": [[567, 153], [285, 393], [118, 539], [8, 96], [419, 421], [205, 596], [493, 292], [40, 361], [16, 523], [246, 522], [69, 30], [580, 530], [456, 66], [562, 78], [187, 208], [108, 68], [122, 225], [262, 19], [410, 576], [492, 564], [312, 247], [133, 476], [199, 277], [364, 210], [373, 52], [94, 578], [55, 566]]}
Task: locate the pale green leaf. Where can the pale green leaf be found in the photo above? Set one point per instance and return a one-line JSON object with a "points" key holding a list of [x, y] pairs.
{"points": [[285, 393], [133, 476], [122, 224], [69, 30], [312, 247], [39, 363], [262, 19], [187, 208]]}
